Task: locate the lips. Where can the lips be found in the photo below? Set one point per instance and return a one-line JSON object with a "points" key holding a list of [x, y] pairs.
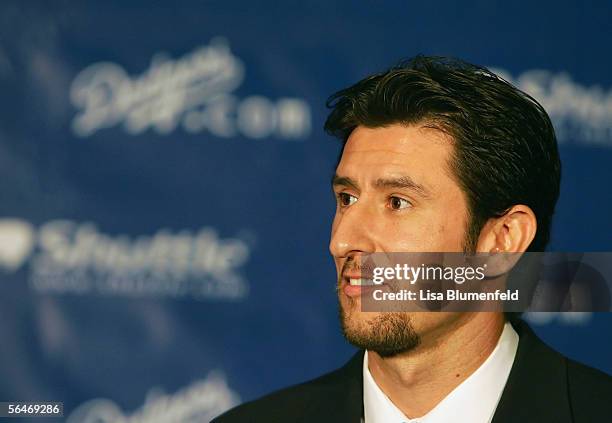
{"points": [[356, 284], [357, 277], [360, 281]]}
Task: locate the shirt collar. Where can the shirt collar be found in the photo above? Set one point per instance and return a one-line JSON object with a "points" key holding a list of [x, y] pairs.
{"points": [[474, 400]]}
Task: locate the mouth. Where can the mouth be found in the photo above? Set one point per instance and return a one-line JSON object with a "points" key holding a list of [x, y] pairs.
{"points": [[356, 285], [360, 282]]}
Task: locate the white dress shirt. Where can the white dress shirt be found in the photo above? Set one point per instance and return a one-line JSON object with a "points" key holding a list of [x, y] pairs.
{"points": [[473, 401]]}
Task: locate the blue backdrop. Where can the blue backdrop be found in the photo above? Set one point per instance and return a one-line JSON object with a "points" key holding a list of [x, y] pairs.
{"points": [[165, 203]]}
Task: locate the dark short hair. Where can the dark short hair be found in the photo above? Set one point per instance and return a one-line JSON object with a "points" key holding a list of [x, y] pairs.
{"points": [[505, 146]]}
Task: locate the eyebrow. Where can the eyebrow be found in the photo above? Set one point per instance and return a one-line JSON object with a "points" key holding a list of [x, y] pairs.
{"points": [[344, 181], [400, 182]]}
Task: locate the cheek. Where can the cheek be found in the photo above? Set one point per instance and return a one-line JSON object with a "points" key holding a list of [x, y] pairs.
{"points": [[410, 234], [450, 234], [432, 233], [450, 237], [448, 224]]}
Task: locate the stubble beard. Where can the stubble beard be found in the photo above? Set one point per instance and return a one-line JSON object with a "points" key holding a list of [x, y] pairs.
{"points": [[388, 334]]}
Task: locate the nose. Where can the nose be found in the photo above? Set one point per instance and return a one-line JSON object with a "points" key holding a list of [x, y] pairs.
{"points": [[352, 232]]}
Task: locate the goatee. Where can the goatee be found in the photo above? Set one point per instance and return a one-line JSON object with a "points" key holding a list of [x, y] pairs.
{"points": [[389, 334]]}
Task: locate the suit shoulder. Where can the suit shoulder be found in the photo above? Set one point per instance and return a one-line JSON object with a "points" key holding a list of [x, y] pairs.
{"points": [[590, 392], [285, 404]]}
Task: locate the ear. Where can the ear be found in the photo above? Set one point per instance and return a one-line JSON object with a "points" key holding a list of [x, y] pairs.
{"points": [[510, 233]]}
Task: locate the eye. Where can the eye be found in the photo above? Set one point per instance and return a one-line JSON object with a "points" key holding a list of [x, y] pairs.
{"points": [[397, 203], [345, 199]]}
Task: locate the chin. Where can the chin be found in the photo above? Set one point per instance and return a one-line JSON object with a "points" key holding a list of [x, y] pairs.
{"points": [[387, 334]]}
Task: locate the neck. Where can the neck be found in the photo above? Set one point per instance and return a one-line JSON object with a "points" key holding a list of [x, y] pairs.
{"points": [[416, 381]]}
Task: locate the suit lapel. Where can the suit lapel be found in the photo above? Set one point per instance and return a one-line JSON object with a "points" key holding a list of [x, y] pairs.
{"points": [[537, 385], [342, 397], [536, 390]]}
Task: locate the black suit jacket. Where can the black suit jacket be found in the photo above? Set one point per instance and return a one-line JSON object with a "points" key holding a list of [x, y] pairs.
{"points": [[543, 387]]}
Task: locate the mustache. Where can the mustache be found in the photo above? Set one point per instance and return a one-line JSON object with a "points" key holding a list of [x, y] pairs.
{"points": [[354, 264], [359, 264]]}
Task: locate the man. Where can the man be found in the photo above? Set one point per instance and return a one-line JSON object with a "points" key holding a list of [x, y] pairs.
{"points": [[439, 156]]}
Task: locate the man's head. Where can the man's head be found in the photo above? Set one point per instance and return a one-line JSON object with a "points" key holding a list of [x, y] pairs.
{"points": [[438, 156]]}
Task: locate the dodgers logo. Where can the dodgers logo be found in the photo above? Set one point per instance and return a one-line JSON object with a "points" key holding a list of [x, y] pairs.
{"points": [[194, 92], [199, 402]]}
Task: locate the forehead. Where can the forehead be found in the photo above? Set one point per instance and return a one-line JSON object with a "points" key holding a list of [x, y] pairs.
{"points": [[413, 150]]}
